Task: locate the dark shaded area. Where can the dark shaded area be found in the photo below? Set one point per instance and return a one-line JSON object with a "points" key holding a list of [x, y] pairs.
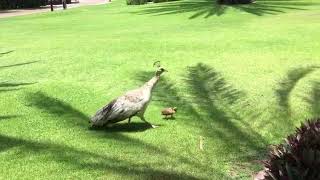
{"points": [[83, 160], [16, 4], [72, 118], [313, 99], [69, 115], [8, 117], [208, 8], [7, 52], [217, 101], [8, 86], [211, 105], [19, 64], [124, 127], [287, 85]]}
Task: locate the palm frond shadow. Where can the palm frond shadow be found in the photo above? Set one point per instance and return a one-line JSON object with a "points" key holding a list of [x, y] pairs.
{"points": [[18, 64], [14, 86], [210, 104], [314, 99], [9, 86], [6, 52], [286, 87], [208, 8], [72, 118], [82, 160], [8, 117]]}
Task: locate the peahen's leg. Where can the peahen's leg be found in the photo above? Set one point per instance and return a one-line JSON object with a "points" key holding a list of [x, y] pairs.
{"points": [[129, 120], [143, 119]]}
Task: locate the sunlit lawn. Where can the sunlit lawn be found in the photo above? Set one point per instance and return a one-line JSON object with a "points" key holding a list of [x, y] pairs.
{"points": [[242, 78]]}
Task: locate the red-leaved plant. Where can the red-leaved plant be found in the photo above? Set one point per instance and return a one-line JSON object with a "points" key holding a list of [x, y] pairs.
{"points": [[298, 158]]}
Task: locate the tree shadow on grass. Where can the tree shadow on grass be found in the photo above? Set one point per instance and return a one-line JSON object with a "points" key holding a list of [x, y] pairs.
{"points": [[68, 114], [84, 160], [8, 117], [208, 8], [13, 86], [73, 118], [285, 87], [4, 53], [18, 64], [313, 99], [10, 86], [221, 111], [213, 106]]}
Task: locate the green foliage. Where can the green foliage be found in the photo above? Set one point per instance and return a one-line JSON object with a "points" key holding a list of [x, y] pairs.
{"points": [[13, 4], [137, 2], [159, 1], [299, 157], [57, 69]]}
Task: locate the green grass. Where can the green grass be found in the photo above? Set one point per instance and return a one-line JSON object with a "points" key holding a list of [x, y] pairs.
{"points": [[242, 77]]}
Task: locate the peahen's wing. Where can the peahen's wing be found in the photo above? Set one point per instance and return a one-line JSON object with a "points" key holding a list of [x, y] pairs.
{"points": [[120, 108]]}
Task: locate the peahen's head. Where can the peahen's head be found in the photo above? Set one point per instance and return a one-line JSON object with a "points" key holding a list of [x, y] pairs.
{"points": [[160, 69]]}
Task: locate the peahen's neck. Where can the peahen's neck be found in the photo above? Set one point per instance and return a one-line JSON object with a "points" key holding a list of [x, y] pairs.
{"points": [[152, 83]]}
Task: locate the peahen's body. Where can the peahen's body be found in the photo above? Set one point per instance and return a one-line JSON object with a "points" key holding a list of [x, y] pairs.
{"points": [[132, 103]]}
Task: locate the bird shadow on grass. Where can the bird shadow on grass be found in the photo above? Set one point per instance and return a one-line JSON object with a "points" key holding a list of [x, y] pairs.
{"points": [[213, 106], [208, 8], [124, 127], [75, 118], [84, 160]]}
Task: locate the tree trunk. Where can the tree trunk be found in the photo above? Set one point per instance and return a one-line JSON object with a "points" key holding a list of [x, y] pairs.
{"points": [[51, 5], [64, 4]]}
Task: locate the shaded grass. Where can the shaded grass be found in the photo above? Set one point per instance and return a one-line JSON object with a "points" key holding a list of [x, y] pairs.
{"points": [[287, 85], [19, 64], [208, 8], [210, 104], [81, 160], [230, 76]]}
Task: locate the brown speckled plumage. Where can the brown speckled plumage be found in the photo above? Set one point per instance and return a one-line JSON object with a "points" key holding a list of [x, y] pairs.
{"points": [[169, 112]]}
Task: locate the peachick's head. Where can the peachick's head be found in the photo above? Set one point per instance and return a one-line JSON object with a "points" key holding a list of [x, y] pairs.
{"points": [[175, 109], [160, 69]]}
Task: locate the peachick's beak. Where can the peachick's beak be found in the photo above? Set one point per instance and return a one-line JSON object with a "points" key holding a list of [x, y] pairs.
{"points": [[166, 70]]}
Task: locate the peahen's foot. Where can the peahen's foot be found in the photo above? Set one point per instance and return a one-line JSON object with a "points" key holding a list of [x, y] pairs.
{"points": [[154, 126]]}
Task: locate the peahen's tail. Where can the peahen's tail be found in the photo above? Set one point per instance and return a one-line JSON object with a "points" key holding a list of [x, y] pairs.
{"points": [[101, 116]]}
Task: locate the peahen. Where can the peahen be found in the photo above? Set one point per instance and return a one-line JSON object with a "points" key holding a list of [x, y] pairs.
{"points": [[132, 103]]}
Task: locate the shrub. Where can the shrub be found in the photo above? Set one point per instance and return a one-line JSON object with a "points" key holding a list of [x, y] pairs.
{"points": [[159, 1], [299, 157], [137, 2], [14, 4]]}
